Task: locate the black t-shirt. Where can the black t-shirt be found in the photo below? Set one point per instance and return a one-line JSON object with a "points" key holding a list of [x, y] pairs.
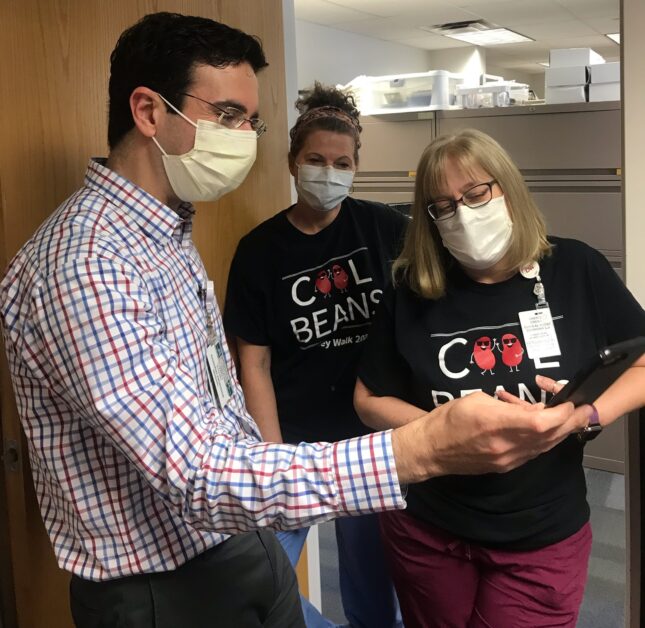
{"points": [[311, 298], [430, 351]]}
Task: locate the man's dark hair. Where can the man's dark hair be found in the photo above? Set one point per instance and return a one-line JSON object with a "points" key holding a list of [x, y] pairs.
{"points": [[161, 51]]}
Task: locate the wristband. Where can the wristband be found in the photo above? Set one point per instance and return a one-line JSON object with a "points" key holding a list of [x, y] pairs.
{"points": [[593, 427]]}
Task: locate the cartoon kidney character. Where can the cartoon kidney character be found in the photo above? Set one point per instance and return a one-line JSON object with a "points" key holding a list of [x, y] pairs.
{"points": [[483, 354], [323, 285], [340, 277], [512, 351]]}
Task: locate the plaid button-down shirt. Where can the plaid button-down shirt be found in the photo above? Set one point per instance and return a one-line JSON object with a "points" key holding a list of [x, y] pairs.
{"points": [[136, 467]]}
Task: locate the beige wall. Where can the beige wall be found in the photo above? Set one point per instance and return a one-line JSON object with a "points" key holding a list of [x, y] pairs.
{"points": [[634, 143], [633, 97]]}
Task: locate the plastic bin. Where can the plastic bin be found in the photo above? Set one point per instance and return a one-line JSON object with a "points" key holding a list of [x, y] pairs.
{"points": [[436, 89], [497, 94]]}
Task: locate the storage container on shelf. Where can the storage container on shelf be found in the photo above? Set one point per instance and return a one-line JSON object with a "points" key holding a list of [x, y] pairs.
{"points": [[436, 89], [566, 57], [494, 94]]}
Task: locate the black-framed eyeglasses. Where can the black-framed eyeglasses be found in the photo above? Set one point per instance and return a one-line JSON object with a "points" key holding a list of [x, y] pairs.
{"points": [[233, 118], [476, 196]]}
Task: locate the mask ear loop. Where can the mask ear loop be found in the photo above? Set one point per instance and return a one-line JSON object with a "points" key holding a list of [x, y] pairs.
{"points": [[163, 152], [154, 139], [176, 110]]}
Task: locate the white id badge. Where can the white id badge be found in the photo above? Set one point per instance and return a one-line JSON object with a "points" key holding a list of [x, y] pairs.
{"points": [[219, 380], [539, 333]]}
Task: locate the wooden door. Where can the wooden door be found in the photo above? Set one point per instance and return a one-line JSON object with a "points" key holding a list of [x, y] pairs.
{"points": [[54, 64]]}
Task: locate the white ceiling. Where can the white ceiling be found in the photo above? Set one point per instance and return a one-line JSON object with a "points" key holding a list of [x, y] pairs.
{"points": [[551, 23]]}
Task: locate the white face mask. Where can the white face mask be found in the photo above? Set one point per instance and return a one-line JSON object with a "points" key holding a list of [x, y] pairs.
{"points": [[323, 187], [219, 161], [478, 238]]}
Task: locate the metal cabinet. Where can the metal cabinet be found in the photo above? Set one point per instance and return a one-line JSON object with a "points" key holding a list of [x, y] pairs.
{"points": [[391, 146], [573, 138]]}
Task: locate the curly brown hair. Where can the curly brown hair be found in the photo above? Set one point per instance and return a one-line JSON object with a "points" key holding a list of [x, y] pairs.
{"points": [[328, 109]]}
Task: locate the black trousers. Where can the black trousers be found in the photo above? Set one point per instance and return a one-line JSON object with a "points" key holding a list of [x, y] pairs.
{"points": [[245, 582]]}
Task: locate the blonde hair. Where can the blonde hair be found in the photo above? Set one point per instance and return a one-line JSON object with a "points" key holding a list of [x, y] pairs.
{"points": [[423, 261]]}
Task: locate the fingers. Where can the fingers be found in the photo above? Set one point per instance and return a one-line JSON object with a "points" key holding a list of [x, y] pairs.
{"points": [[536, 421], [548, 384], [508, 397], [562, 420], [542, 430], [495, 435]]}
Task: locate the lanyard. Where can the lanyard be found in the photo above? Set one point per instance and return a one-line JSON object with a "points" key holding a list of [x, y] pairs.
{"points": [[539, 292], [532, 271], [540, 337], [208, 297]]}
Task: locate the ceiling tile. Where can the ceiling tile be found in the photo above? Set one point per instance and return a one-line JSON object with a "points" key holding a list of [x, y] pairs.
{"points": [[570, 28], [325, 13], [604, 25], [382, 28], [380, 8], [435, 12], [534, 12], [592, 8], [552, 23], [477, 4]]}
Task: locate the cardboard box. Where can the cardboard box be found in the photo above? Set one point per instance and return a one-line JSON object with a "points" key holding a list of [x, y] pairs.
{"points": [[572, 75], [567, 57], [558, 95], [599, 92], [605, 73]]}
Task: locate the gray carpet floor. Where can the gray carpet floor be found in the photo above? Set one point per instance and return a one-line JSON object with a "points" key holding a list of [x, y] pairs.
{"points": [[603, 605]]}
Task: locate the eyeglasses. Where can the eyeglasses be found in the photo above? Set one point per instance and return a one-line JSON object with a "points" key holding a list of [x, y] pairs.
{"points": [[233, 118], [476, 196]]}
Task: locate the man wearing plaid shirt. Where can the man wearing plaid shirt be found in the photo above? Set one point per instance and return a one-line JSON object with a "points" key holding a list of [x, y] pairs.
{"points": [[152, 481]]}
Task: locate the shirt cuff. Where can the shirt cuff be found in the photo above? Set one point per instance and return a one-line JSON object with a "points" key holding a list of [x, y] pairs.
{"points": [[366, 474]]}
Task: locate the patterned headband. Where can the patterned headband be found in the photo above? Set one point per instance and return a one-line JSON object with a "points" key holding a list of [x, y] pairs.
{"points": [[326, 112]]}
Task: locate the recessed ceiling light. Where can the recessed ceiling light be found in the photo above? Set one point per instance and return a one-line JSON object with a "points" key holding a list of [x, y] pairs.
{"points": [[478, 33], [615, 37]]}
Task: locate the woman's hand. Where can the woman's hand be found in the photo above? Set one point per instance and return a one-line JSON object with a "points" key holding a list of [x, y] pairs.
{"points": [[545, 383], [255, 377], [479, 434]]}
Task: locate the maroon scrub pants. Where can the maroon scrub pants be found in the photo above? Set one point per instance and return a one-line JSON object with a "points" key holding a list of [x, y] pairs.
{"points": [[443, 582]]}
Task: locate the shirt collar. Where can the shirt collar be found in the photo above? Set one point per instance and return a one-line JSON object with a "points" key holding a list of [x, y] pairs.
{"points": [[151, 215]]}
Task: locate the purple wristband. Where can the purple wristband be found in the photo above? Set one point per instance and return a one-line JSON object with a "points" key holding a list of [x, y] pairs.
{"points": [[594, 419], [593, 427]]}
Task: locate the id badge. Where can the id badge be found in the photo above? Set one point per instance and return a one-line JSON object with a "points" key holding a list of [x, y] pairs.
{"points": [[539, 333], [219, 379]]}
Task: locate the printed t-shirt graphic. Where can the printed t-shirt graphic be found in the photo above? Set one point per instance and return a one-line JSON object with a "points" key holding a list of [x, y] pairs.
{"points": [[332, 300], [485, 358]]}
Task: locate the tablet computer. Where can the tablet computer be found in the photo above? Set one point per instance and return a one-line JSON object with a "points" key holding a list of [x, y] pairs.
{"points": [[600, 372]]}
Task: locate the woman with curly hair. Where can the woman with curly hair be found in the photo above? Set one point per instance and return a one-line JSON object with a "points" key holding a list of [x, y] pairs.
{"points": [[302, 291]]}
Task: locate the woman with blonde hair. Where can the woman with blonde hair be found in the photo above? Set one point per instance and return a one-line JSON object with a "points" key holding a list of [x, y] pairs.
{"points": [[484, 300]]}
